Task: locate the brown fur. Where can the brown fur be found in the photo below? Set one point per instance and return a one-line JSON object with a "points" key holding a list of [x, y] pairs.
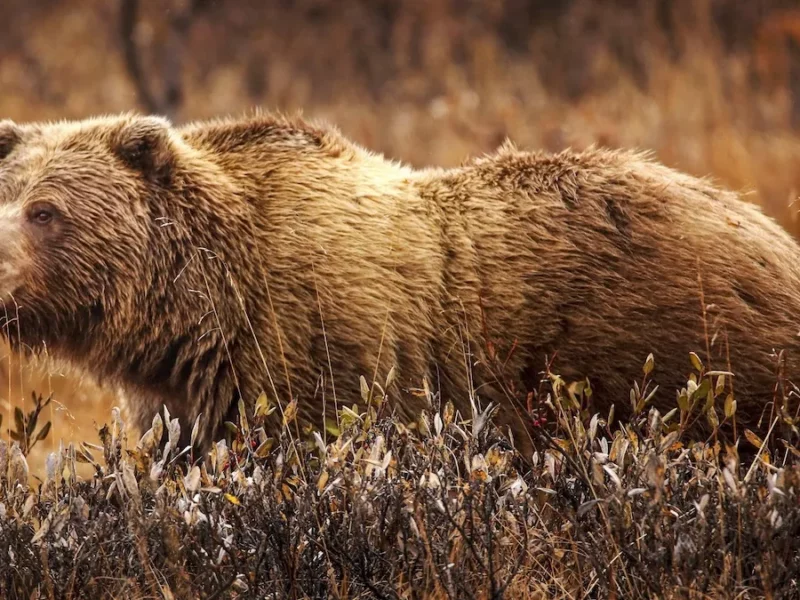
{"points": [[189, 265]]}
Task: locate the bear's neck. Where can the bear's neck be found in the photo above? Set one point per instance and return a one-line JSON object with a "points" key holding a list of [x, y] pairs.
{"points": [[247, 261]]}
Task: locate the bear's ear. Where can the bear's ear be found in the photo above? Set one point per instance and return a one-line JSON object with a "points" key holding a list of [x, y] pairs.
{"points": [[144, 144], [10, 136]]}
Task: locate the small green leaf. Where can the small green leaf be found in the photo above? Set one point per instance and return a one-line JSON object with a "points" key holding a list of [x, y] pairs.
{"points": [[720, 385], [649, 364], [243, 418], [195, 430], [709, 399], [650, 395], [332, 428], [390, 378], [683, 401], [702, 389], [290, 412], [730, 406], [711, 415], [263, 407], [696, 362]]}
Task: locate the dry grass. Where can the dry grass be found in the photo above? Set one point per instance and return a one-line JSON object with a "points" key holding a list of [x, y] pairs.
{"points": [[442, 508]]}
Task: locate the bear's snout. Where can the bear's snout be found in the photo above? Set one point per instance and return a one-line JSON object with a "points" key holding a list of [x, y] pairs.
{"points": [[10, 244]]}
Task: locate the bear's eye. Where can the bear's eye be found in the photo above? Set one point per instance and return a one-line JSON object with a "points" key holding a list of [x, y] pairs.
{"points": [[41, 214]]}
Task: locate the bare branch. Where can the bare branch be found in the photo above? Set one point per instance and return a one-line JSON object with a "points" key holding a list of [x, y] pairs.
{"points": [[180, 25], [129, 12]]}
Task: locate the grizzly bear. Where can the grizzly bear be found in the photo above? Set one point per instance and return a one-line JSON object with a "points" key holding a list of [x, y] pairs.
{"points": [[198, 265]]}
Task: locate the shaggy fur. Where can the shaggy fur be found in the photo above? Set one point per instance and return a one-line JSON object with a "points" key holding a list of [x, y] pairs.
{"points": [[193, 265]]}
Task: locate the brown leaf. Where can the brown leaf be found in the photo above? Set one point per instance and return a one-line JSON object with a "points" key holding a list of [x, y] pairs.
{"points": [[43, 432], [192, 481], [753, 438], [290, 412], [19, 419], [449, 412]]}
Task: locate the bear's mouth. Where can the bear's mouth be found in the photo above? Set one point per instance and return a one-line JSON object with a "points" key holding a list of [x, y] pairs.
{"points": [[10, 330], [10, 285], [7, 322]]}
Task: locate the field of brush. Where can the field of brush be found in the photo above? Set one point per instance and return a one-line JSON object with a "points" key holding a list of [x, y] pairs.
{"points": [[443, 507], [439, 508]]}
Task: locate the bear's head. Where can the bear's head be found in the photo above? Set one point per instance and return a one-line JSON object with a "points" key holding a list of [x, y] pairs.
{"points": [[77, 219]]}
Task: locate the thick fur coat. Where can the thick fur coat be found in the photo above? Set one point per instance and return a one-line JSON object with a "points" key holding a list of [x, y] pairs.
{"points": [[195, 265]]}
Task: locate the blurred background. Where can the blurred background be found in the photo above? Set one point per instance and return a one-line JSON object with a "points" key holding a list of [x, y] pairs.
{"points": [[711, 86]]}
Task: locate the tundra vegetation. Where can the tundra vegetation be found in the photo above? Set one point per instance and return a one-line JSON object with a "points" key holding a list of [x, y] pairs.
{"points": [[443, 507], [370, 508]]}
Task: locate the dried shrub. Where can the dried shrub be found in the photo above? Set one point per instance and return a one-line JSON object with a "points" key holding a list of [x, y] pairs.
{"points": [[443, 507]]}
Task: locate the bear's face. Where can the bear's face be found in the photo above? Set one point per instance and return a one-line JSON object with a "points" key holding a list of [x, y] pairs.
{"points": [[75, 219]]}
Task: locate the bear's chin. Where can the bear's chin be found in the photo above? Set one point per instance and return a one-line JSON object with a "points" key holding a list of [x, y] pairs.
{"points": [[10, 285]]}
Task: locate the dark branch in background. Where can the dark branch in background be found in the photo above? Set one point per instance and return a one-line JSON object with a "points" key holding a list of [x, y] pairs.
{"points": [[794, 81], [167, 103], [128, 18]]}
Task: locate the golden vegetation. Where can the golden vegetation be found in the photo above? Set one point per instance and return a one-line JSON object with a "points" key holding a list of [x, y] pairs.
{"points": [[609, 509], [442, 508]]}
